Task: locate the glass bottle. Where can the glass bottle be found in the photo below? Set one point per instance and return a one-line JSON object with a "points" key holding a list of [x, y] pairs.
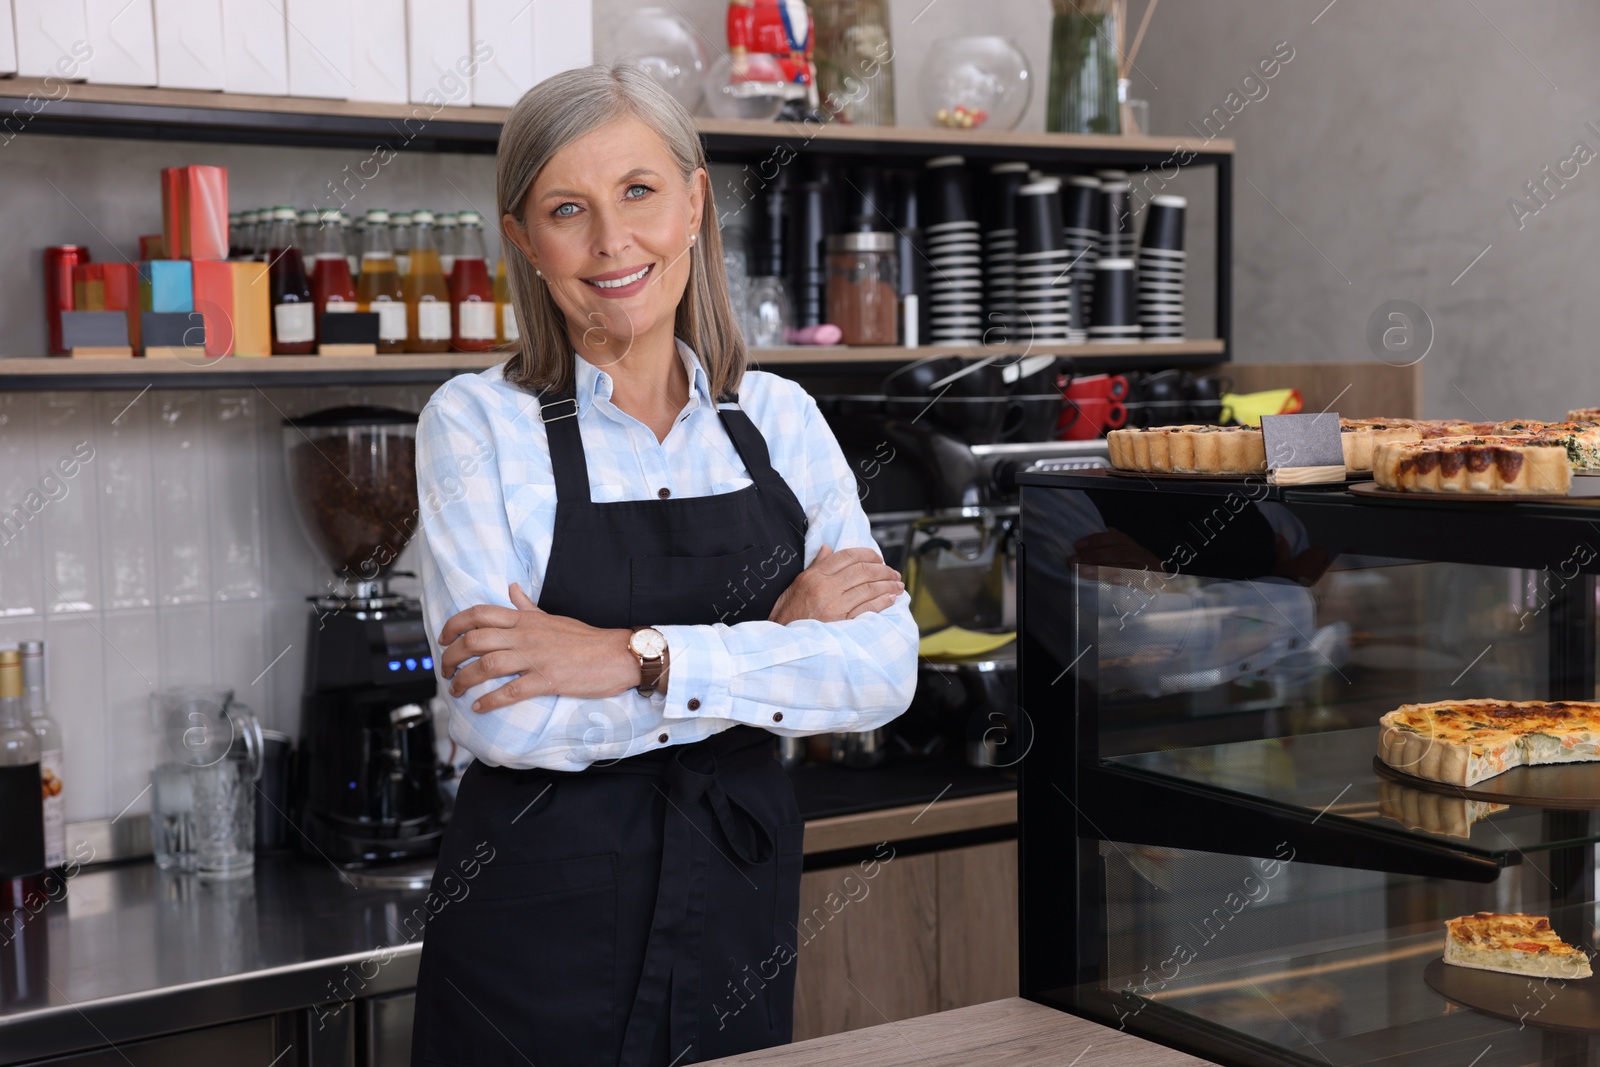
{"points": [[1083, 68], [472, 305], [51, 772], [294, 323], [427, 295], [353, 231], [449, 243], [332, 289], [506, 315], [378, 288], [21, 793], [400, 235], [306, 229], [250, 240], [235, 231], [854, 58]]}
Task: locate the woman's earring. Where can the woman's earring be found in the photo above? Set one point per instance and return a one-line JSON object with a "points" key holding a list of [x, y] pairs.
{"points": [[693, 237], [538, 273]]}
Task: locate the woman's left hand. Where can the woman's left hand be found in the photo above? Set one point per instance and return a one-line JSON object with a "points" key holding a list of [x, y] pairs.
{"points": [[551, 655]]}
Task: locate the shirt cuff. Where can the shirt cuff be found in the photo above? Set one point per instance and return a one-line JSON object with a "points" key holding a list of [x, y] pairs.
{"points": [[699, 669]]}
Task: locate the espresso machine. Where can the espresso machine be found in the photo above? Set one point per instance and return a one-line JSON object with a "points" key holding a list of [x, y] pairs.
{"points": [[366, 780]]}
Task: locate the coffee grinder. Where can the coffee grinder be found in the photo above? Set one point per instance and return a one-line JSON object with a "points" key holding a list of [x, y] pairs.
{"points": [[366, 775]]}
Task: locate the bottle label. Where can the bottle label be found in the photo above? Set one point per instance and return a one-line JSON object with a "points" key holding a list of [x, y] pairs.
{"points": [[293, 323], [477, 320], [391, 320], [402, 263], [508, 323], [446, 262], [340, 305], [433, 320], [55, 809]]}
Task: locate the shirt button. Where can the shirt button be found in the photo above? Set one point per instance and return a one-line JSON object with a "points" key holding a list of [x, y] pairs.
{"points": [[694, 703], [663, 492], [662, 739], [777, 716]]}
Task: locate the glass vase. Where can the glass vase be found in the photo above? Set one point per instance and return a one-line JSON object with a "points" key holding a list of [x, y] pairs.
{"points": [[854, 60], [1083, 68]]}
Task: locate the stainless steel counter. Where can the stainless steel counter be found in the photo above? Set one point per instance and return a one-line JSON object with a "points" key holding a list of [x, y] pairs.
{"points": [[132, 952]]}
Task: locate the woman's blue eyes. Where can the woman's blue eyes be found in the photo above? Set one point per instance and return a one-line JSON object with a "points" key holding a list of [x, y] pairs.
{"points": [[561, 211]]}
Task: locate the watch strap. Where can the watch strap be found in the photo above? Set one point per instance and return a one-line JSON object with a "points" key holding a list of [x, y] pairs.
{"points": [[650, 668]]}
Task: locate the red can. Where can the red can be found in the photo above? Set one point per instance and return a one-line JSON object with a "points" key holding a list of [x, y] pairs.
{"points": [[58, 264]]}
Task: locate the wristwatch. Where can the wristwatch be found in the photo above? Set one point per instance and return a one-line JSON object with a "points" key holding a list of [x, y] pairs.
{"points": [[650, 645]]}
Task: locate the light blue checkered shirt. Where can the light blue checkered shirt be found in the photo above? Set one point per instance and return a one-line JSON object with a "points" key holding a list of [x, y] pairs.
{"points": [[488, 500]]}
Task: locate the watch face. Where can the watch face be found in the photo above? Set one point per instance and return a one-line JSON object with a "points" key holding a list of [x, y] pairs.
{"points": [[648, 643]]}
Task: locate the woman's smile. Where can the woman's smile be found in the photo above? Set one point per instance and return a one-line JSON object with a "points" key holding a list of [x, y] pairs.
{"points": [[624, 282]]}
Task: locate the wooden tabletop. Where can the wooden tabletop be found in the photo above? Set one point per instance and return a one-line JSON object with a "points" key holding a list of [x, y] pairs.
{"points": [[1001, 1033]]}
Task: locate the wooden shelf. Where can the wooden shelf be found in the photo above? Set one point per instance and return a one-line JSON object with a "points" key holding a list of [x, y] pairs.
{"points": [[182, 114], [34, 374]]}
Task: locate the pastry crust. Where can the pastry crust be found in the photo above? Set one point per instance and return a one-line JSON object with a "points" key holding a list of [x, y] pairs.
{"points": [[1188, 450], [1463, 742], [1512, 943], [1504, 465], [1361, 436], [1584, 415]]}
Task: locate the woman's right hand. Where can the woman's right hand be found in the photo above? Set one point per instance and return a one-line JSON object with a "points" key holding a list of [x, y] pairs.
{"points": [[838, 586]]}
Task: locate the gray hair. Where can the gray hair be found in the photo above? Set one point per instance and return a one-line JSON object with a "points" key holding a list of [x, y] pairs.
{"points": [[552, 115]]}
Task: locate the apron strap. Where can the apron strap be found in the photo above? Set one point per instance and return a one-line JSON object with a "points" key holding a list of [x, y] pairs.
{"points": [[559, 413], [749, 443]]}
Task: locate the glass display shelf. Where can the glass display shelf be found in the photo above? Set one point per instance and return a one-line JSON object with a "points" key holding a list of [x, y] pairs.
{"points": [[1341, 1003], [1330, 776]]}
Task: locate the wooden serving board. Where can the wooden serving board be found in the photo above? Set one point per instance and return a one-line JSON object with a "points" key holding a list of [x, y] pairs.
{"points": [[1587, 492], [1567, 786], [1355, 478], [1569, 1005]]}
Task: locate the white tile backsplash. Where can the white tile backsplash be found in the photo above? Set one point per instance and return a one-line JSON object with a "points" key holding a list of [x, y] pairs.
{"points": [[175, 557]]}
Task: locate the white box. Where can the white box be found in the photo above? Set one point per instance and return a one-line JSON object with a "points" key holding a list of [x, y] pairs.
{"points": [[442, 60], [319, 48], [255, 47], [378, 52], [563, 37], [189, 44], [52, 38], [123, 33], [8, 41], [502, 42]]}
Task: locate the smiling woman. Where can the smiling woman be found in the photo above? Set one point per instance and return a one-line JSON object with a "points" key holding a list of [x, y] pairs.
{"points": [[635, 592]]}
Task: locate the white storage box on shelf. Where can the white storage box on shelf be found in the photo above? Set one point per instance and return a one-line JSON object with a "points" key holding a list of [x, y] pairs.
{"points": [[442, 57], [8, 42], [563, 37], [189, 52], [505, 67], [378, 52], [52, 39], [255, 47], [123, 33], [319, 48]]}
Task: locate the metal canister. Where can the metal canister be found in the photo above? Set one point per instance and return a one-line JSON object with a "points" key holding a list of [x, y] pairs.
{"points": [[58, 263]]}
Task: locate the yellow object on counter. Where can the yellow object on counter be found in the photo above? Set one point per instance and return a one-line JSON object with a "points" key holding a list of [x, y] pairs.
{"points": [[955, 642], [1247, 408]]}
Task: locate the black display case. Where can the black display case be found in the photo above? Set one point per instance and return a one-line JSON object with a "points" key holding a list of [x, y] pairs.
{"points": [[1210, 856]]}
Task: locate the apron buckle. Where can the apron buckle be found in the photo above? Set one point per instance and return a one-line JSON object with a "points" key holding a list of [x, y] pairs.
{"points": [[544, 409]]}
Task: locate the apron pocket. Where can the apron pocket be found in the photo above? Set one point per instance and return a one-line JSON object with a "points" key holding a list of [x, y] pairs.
{"points": [[700, 590], [526, 962]]}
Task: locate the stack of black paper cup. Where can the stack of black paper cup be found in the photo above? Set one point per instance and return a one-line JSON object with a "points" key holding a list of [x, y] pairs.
{"points": [[1044, 276], [1080, 229], [1161, 269], [1114, 317], [1116, 214], [999, 211], [955, 260]]}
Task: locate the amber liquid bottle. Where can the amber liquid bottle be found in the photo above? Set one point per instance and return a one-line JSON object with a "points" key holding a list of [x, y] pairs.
{"points": [[378, 287], [427, 295]]}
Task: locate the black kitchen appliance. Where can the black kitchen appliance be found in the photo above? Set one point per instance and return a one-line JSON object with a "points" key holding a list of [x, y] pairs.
{"points": [[366, 773]]}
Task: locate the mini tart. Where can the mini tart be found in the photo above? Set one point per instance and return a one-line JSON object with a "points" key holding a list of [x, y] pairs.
{"points": [[1360, 436], [1512, 943], [1464, 742], [1188, 450], [1580, 439], [1504, 465]]}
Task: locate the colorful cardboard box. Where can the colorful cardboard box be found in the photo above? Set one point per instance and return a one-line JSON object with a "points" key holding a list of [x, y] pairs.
{"points": [[213, 300], [252, 310], [166, 285], [194, 212]]}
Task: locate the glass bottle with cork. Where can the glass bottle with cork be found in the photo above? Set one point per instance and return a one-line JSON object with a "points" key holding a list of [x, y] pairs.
{"points": [[427, 295], [471, 290], [294, 330], [52, 772], [378, 289], [21, 794]]}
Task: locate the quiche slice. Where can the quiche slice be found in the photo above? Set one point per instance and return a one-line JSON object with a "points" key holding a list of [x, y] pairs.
{"points": [[1464, 742], [1580, 439], [1360, 436], [1512, 943], [1527, 463], [1584, 415], [1188, 450]]}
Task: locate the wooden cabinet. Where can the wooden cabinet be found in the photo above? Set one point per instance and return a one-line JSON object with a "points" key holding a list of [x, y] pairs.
{"points": [[909, 936]]}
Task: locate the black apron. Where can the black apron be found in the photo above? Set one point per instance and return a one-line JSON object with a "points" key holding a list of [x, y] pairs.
{"points": [[639, 912]]}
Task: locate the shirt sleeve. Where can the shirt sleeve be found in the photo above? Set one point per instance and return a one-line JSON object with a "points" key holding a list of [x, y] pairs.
{"points": [[807, 677], [470, 555]]}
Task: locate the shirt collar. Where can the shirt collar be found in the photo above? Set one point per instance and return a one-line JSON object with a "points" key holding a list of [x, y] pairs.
{"points": [[590, 383]]}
